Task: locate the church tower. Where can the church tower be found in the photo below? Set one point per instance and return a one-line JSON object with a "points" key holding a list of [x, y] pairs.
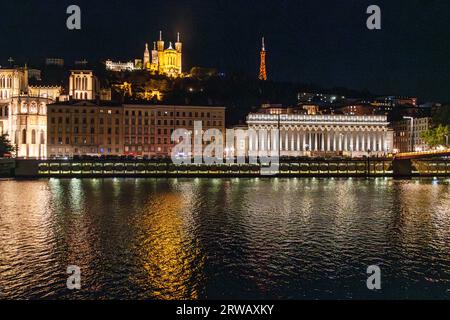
{"points": [[262, 68], [146, 57], [179, 49], [154, 55], [160, 48]]}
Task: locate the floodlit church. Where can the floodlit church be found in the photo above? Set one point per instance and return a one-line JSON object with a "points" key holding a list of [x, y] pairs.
{"points": [[162, 60], [23, 112]]}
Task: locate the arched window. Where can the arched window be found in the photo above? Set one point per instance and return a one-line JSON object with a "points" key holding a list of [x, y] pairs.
{"points": [[33, 137], [42, 137], [33, 107], [16, 137], [24, 136]]}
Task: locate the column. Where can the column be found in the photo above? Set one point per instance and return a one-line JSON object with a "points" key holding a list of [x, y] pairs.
{"points": [[363, 141], [292, 140], [328, 141], [345, 141], [323, 140], [304, 141], [380, 141], [357, 142], [334, 141], [286, 136], [315, 142], [374, 141]]}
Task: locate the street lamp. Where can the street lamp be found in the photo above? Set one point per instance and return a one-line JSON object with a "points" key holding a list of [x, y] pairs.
{"points": [[412, 132]]}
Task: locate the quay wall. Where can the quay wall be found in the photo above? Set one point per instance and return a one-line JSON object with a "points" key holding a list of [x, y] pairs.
{"points": [[300, 168]]}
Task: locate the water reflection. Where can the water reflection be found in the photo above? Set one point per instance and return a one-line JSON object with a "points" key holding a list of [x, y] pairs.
{"points": [[230, 238]]}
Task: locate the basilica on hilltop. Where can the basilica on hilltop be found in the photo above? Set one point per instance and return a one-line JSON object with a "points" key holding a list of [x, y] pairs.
{"points": [[162, 60]]}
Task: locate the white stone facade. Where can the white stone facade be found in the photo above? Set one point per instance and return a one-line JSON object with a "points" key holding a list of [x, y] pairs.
{"points": [[306, 135]]}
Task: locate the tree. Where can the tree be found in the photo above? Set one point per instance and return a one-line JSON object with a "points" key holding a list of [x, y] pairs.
{"points": [[442, 115], [437, 136], [5, 145]]}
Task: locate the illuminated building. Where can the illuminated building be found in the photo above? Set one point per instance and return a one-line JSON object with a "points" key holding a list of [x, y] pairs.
{"points": [[23, 116], [84, 128], [119, 66], [83, 85], [322, 135], [27, 121], [166, 61], [88, 128], [262, 69], [13, 82], [148, 128], [51, 92], [358, 109], [408, 132]]}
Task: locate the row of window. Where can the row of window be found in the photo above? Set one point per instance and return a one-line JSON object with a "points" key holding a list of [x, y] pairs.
{"points": [[6, 82], [146, 122], [101, 121], [92, 111], [25, 140], [84, 140], [178, 114], [76, 130], [134, 113]]}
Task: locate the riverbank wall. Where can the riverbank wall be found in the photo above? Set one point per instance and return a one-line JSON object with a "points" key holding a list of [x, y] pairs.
{"points": [[299, 168]]}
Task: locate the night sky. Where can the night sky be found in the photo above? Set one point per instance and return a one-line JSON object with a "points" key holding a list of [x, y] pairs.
{"points": [[308, 41]]}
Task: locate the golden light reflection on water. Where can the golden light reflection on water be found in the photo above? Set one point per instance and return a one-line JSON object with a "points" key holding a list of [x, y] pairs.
{"points": [[169, 253], [415, 201], [190, 239]]}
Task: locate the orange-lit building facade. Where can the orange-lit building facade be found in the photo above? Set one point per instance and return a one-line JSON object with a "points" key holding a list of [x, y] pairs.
{"points": [[84, 128], [148, 128], [87, 128]]}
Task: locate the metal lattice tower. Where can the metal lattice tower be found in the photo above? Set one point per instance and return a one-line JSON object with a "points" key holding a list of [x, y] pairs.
{"points": [[263, 69]]}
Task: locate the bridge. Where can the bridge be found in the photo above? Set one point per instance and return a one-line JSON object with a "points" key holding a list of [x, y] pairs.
{"points": [[423, 154], [403, 163]]}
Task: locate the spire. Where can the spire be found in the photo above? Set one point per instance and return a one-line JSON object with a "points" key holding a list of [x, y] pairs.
{"points": [[178, 37], [170, 45], [154, 45], [262, 68], [160, 35], [146, 47]]}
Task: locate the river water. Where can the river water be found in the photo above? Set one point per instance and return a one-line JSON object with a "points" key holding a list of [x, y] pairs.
{"points": [[225, 238]]}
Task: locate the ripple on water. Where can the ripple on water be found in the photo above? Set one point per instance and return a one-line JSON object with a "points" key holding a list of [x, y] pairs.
{"points": [[230, 238]]}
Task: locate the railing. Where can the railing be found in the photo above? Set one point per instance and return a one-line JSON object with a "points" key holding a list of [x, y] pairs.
{"points": [[287, 168], [360, 167], [423, 154]]}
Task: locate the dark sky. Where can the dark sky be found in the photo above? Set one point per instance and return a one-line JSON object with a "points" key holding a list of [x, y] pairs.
{"points": [[324, 42]]}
